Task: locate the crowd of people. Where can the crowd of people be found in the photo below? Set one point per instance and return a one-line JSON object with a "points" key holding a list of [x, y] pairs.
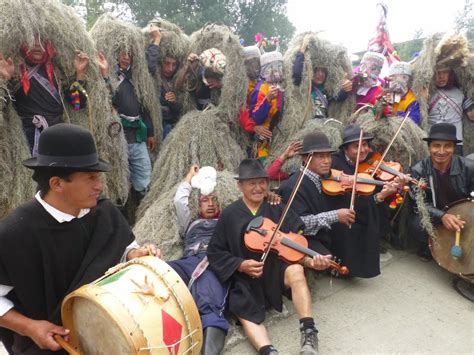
{"points": [[69, 233]]}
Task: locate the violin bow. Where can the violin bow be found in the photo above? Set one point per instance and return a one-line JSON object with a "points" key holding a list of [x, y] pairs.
{"points": [[390, 144], [351, 206], [286, 209]]}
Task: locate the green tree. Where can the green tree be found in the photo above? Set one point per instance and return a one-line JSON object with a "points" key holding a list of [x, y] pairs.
{"points": [[464, 22]]}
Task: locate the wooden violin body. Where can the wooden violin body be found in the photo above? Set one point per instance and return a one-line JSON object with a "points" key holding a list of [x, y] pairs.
{"points": [[339, 183], [291, 247], [387, 171]]}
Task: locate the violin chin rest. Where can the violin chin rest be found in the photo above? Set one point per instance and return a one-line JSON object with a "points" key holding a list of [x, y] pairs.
{"points": [[257, 222]]}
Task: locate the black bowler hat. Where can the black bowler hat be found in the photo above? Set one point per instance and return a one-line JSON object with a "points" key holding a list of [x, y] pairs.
{"points": [[351, 134], [251, 169], [67, 146], [316, 142], [443, 132]]}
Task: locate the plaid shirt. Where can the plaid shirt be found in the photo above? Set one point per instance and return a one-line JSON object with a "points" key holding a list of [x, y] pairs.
{"points": [[315, 222]]}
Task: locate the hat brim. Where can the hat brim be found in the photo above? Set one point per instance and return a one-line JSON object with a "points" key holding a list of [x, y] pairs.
{"points": [[101, 166], [323, 150], [257, 176], [434, 138], [365, 138]]}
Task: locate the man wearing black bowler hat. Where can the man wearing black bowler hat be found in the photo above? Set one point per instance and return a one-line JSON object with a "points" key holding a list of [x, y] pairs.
{"points": [[256, 285], [450, 178], [358, 246], [65, 237], [310, 203]]}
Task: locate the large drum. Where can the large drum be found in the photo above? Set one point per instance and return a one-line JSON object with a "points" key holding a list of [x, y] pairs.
{"points": [[140, 307], [458, 259]]}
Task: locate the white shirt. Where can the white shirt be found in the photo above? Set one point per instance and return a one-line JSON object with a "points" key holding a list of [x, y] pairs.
{"points": [[61, 217]]}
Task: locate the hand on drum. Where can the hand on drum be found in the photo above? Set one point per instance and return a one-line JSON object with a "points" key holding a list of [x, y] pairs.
{"points": [[319, 262], [42, 333], [452, 223], [252, 268], [145, 250]]}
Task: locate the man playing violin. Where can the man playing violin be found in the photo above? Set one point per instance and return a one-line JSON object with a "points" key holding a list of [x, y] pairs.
{"points": [[310, 203], [358, 246], [450, 178], [256, 285]]}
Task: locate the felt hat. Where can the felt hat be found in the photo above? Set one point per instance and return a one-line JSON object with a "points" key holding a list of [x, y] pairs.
{"points": [[443, 132], [316, 142], [251, 169]]}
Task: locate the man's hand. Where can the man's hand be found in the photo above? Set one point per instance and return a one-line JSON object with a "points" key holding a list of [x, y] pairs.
{"points": [[346, 216], [194, 170], [81, 62], [151, 143], [346, 84], [452, 223], [252, 268], [155, 34], [42, 333], [319, 262], [273, 198], [262, 132], [7, 68], [388, 189], [170, 97], [149, 249], [272, 92], [291, 150], [192, 57], [103, 64]]}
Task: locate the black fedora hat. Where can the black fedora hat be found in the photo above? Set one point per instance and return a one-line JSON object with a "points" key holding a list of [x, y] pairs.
{"points": [[67, 146], [251, 169], [443, 132], [351, 134], [316, 142]]}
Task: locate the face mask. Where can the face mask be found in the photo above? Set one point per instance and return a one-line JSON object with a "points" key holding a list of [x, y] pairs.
{"points": [[272, 72]]}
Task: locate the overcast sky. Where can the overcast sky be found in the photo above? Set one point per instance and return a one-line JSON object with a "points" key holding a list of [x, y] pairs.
{"points": [[352, 22]]}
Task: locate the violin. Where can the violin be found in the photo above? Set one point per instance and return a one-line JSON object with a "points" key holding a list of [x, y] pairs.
{"points": [[291, 247], [339, 183], [386, 171]]}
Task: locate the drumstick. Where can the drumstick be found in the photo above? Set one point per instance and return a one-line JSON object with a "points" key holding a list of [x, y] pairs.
{"points": [[456, 251], [66, 346]]}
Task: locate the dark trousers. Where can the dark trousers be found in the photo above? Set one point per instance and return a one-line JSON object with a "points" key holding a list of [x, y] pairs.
{"points": [[208, 292]]}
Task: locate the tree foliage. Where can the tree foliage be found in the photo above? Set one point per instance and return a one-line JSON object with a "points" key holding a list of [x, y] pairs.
{"points": [[245, 17]]}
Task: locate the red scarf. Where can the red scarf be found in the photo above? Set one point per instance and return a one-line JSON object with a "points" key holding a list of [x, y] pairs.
{"points": [[45, 60]]}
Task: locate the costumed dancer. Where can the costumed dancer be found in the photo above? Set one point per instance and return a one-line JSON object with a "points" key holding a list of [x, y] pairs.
{"points": [[320, 100], [266, 103], [255, 284], [132, 90], [69, 235], [367, 84], [208, 292], [400, 94], [36, 95], [208, 70], [252, 67], [450, 178], [170, 46]]}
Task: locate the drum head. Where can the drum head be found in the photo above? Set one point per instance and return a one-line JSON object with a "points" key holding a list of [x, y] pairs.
{"points": [[97, 332], [441, 247]]}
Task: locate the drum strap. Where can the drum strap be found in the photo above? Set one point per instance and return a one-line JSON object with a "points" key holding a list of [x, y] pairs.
{"points": [[200, 268]]}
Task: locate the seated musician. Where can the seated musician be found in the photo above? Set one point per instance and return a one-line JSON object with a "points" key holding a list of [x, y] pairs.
{"points": [[208, 292], [450, 178], [65, 237], [254, 284], [358, 246], [310, 203]]}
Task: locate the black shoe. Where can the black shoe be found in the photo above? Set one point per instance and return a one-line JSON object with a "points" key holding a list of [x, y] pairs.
{"points": [[424, 253], [214, 340], [309, 342], [464, 288]]}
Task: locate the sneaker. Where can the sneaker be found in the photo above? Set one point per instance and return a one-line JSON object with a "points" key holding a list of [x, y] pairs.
{"points": [[309, 342]]}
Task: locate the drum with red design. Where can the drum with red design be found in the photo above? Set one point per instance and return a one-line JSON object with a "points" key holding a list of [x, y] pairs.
{"points": [[140, 307]]}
